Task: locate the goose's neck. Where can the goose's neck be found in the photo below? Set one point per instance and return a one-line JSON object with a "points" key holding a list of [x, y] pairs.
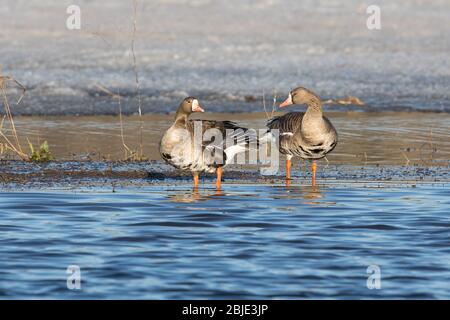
{"points": [[312, 121], [314, 108], [181, 116]]}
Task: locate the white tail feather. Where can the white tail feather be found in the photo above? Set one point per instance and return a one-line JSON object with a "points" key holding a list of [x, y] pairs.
{"points": [[234, 150]]}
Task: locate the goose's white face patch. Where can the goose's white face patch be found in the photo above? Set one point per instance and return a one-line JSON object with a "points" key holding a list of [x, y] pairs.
{"points": [[196, 106]]}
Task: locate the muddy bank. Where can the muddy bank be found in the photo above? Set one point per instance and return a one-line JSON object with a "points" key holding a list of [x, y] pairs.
{"points": [[72, 174]]}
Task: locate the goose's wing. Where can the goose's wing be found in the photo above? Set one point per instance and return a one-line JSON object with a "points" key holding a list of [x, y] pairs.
{"points": [[227, 129], [238, 136], [288, 123], [222, 126]]}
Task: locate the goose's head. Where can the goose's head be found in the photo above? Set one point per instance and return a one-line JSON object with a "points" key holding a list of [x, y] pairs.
{"points": [[189, 105], [298, 95]]}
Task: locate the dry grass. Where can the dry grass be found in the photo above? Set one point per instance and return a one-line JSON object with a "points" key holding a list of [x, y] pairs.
{"points": [[12, 144], [40, 154]]}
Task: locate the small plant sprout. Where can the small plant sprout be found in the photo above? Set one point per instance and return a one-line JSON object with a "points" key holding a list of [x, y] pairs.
{"points": [[42, 154]]}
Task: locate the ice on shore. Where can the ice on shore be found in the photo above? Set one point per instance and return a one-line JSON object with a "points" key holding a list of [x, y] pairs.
{"points": [[224, 51]]}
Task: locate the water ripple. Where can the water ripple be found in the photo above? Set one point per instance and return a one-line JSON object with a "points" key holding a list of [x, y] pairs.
{"points": [[247, 242]]}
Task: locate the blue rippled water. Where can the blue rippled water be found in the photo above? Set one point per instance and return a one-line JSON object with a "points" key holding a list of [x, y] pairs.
{"points": [[245, 242]]}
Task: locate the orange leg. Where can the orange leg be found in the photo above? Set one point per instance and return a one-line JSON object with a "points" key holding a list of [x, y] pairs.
{"points": [[219, 177], [288, 169], [314, 170], [288, 172], [288, 183], [195, 180]]}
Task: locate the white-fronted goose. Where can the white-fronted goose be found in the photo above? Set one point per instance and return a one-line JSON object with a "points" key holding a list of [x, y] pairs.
{"points": [[181, 148], [308, 135]]}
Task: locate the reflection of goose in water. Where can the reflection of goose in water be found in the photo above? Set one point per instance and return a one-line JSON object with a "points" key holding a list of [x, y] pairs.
{"points": [[192, 196], [312, 195], [306, 192]]}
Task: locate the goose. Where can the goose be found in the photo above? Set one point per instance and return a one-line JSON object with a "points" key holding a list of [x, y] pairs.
{"points": [[308, 135], [183, 146]]}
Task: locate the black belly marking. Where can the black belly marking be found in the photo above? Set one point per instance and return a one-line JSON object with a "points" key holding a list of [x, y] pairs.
{"points": [[186, 167], [319, 150], [305, 151]]}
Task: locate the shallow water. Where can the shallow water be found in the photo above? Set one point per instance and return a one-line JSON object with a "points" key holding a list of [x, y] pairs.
{"points": [[249, 241], [388, 138]]}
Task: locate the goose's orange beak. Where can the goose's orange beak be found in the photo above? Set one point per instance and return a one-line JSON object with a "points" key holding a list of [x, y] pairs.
{"points": [[196, 106], [199, 109], [286, 102]]}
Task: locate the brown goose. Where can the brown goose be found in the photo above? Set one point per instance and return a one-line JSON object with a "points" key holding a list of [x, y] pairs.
{"points": [[183, 147], [308, 135]]}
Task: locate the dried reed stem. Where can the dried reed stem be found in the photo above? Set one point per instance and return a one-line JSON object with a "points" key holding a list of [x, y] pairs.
{"points": [[264, 104], [136, 76], [407, 159], [127, 149], [273, 104], [17, 148], [128, 152]]}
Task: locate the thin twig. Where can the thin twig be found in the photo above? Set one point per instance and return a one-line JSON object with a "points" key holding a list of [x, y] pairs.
{"points": [[118, 97], [274, 103], [431, 144], [24, 156], [9, 114], [121, 126], [264, 104], [17, 83], [128, 152], [407, 159], [136, 76], [107, 91]]}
